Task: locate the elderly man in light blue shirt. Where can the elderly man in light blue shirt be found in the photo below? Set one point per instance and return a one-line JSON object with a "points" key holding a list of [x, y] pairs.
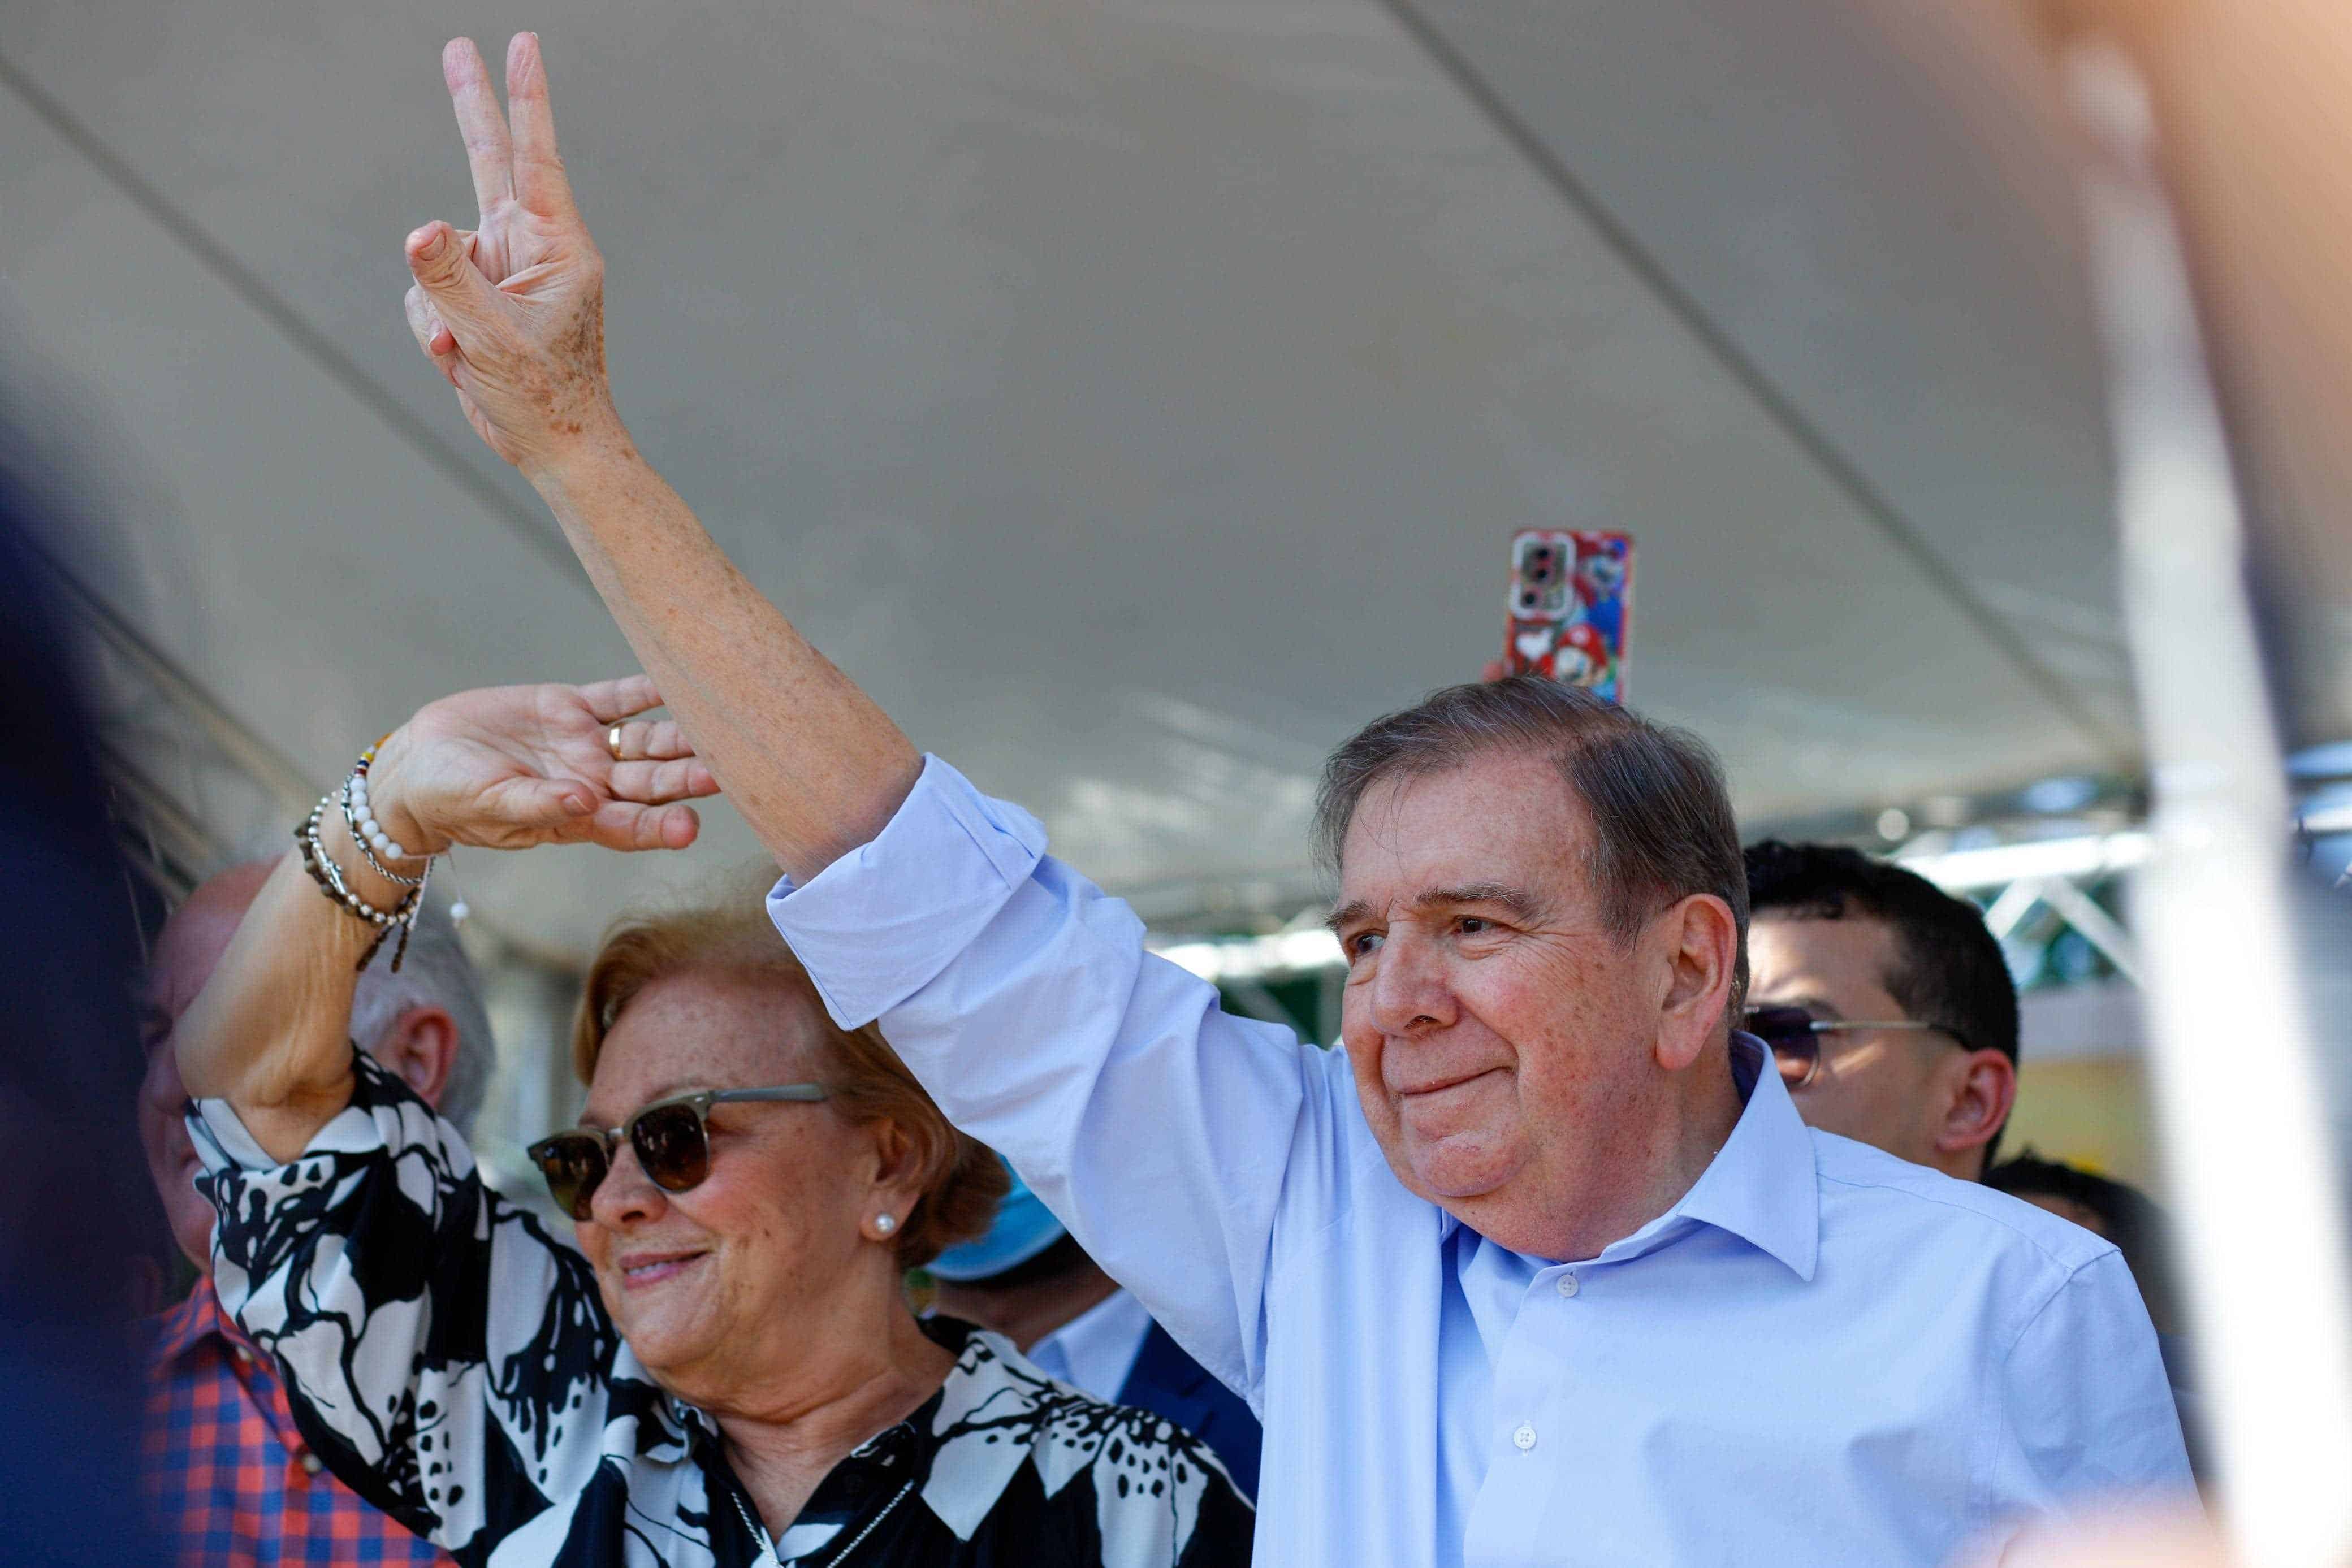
{"points": [[1542, 1267]]}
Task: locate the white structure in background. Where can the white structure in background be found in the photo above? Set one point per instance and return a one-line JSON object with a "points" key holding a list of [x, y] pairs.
{"points": [[2274, 1329], [2022, 864], [2055, 872]]}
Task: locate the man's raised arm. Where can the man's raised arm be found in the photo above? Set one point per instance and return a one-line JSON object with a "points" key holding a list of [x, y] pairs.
{"points": [[512, 314]]}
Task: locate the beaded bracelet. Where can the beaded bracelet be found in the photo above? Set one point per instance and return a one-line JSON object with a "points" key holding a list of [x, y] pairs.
{"points": [[367, 832], [322, 870]]}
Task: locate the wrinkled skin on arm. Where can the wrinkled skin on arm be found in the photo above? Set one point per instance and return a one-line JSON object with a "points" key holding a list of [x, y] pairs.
{"points": [[511, 313]]}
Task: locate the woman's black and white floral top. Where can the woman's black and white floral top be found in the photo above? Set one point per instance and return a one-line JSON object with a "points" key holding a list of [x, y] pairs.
{"points": [[455, 1366]]}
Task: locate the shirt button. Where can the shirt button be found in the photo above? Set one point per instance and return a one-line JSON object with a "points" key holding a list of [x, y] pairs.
{"points": [[1525, 1438], [1568, 1285], [312, 1464]]}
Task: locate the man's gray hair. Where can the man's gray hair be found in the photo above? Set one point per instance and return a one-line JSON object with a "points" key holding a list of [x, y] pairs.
{"points": [[435, 973], [1662, 826]]}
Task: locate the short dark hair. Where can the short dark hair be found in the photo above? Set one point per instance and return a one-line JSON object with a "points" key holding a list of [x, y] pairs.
{"points": [[1663, 827], [1949, 969], [2132, 1221]]}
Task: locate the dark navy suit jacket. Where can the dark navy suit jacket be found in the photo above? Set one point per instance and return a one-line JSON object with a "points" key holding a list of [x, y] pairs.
{"points": [[1167, 1381]]}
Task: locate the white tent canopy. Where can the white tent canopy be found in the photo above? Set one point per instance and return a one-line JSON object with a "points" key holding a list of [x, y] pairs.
{"points": [[1134, 396]]}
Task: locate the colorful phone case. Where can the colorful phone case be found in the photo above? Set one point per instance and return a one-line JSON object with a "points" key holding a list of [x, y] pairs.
{"points": [[1570, 603]]}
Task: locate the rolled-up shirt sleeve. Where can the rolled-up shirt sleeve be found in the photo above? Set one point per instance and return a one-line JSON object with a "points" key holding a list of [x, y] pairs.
{"points": [[1165, 1134]]}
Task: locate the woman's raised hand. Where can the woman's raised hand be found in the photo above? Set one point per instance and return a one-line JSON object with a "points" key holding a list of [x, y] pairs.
{"points": [[510, 766], [513, 311]]}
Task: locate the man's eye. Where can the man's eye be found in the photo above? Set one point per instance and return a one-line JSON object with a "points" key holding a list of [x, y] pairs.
{"points": [[1474, 925], [1361, 945]]}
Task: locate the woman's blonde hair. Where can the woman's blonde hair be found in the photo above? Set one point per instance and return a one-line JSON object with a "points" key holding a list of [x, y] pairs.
{"points": [[961, 1180]]}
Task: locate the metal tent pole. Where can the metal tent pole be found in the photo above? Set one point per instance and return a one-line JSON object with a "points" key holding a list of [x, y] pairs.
{"points": [[2231, 1040]]}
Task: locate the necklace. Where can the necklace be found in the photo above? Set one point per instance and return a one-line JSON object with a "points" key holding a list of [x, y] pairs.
{"points": [[760, 1533]]}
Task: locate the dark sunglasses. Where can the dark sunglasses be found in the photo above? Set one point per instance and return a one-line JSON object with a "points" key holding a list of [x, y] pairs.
{"points": [[1794, 1036], [671, 1138]]}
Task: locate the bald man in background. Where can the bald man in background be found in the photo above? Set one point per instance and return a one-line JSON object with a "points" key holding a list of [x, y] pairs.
{"points": [[232, 1482]]}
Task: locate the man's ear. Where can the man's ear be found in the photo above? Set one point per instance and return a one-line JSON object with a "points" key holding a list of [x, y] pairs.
{"points": [[1699, 942], [1979, 1093], [421, 1047]]}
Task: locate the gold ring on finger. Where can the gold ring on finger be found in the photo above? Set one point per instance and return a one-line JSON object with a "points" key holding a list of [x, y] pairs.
{"points": [[613, 743]]}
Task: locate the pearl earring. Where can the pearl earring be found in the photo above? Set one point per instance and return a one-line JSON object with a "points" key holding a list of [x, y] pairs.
{"points": [[886, 1223]]}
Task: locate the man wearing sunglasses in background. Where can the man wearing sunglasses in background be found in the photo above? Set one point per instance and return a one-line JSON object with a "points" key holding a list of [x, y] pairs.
{"points": [[1887, 1002], [1892, 1018]]}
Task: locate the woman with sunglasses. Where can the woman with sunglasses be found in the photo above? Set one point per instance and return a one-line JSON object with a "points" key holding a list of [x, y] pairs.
{"points": [[727, 1371]]}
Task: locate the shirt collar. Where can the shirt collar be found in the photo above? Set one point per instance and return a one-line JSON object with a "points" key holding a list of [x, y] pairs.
{"points": [[1097, 1350], [194, 1320], [1760, 1186]]}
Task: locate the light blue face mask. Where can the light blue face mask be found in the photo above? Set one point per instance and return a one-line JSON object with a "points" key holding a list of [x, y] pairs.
{"points": [[1023, 1228]]}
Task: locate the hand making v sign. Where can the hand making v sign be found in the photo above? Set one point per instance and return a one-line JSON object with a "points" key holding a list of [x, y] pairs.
{"points": [[513, 311]]}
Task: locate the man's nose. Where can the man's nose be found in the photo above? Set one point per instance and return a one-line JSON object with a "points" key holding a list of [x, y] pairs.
{"points": [[626, 1195], [1410, 993]]}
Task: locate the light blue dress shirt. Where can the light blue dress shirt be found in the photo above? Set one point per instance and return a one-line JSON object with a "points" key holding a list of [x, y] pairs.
{"points": [[1095, 1352], [1822, 1354]]}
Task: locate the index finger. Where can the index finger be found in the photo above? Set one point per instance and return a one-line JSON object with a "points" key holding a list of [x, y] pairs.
{"points": [[487, 153], [612, 701], [539, 183]]}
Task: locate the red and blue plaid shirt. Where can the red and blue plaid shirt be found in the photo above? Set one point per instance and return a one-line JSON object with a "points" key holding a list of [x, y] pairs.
{"points": [[232, 1483]]}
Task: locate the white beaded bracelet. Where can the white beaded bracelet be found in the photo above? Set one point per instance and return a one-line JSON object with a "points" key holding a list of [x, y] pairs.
{"points": [[374, 843]]}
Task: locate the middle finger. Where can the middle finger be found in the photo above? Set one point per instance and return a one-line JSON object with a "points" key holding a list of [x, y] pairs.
{"points": [[488, 151]]}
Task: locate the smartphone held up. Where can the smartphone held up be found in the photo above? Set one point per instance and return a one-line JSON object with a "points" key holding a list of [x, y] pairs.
{"points": [[1570, 606]]}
